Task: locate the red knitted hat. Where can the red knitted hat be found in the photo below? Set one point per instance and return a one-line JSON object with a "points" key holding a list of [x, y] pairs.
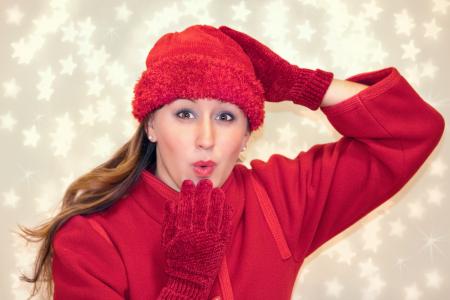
{"points": [[199, 62]]}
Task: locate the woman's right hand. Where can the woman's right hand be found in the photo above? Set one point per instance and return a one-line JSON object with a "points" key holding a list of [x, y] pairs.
{"points": [[195, 234], [282, 80]]}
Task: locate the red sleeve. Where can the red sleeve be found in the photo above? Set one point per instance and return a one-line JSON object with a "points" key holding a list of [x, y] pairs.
{"points": [[388, 131], [85, 264]]}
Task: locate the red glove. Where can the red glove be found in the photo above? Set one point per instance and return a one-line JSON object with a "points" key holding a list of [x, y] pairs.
{"points": [[280, 79], [196, 231]]}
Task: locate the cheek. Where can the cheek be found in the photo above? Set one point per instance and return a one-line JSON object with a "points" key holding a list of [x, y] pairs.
{"points": [[171, 144], [229, 147]]}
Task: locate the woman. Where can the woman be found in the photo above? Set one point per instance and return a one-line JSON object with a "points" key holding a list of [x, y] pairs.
{"points": [[173, 216]]}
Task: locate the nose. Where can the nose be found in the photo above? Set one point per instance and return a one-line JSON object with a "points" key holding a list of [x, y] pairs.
{"points": [[205, 136]]}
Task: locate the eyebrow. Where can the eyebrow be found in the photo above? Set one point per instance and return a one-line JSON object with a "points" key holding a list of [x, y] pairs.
{"points": [[196, 100]]}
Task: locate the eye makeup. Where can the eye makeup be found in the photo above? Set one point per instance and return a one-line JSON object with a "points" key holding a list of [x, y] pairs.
{"points": [[185, 111]]}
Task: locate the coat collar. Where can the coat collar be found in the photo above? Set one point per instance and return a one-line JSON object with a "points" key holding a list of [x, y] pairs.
{"points": [[151, 193]]}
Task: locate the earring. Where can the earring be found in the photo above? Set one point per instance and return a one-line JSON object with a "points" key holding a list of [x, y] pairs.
{"points": [[244, 148], [151, 138]]}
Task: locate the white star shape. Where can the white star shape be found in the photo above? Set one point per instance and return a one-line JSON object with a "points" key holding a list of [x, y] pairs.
{"points": [[116, 74], [397, 228], [67, 65], [305, 31], [103, 146], [434, 279], [45, 84], [84, 47], [303, 272], [372, 10], [10, 198], [286, 134], [31, 136], [429, 69], [69, 33], [412, 73], [240, 11], [412, 292], [333, 288], [370, 236], [343, 251], [435, 196], [195, 7], [96, 60], [376, 283], [416, 209], [432, 29], [25, 49], [404, 23], [410, 50], [88, 116], [61, 138], [128, 127], [7, 121], [441, 6], [123, 13], [11, 89], [438, 167], [378, 54], [314, 3], [367, 268], [86, 28], [95, 87], [14, 15]]}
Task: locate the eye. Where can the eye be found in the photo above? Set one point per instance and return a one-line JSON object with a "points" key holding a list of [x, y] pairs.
{"points": [[227, 114], [183, 113]]}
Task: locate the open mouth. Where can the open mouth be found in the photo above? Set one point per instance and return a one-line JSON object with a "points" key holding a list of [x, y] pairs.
{"points": [[203, 170]]}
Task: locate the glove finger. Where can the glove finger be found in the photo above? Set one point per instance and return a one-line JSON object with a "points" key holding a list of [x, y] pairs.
{"points": [[216, 210], [250, 45], [168, 230], [242, 39], [185, 205], [264, 60], [201, 203], [226, 226]]}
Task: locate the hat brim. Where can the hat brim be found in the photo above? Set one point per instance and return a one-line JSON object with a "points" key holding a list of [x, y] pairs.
{"points": [[191, 76]]}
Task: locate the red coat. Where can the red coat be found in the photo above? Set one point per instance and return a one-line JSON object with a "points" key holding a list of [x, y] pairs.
{"points": [[284, 208]]}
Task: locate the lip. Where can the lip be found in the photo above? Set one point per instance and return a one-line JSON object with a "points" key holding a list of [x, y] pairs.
{"points": [[202, 163], [204, 168]]}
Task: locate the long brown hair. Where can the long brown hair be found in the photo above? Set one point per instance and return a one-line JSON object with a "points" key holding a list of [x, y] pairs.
{"points": [[94, 191]]}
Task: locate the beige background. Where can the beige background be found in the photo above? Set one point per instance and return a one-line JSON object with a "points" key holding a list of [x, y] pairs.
{"points": [[67, 72]]}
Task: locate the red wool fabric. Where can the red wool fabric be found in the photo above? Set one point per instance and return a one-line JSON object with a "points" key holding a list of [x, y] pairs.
{"points": [[203, 62], [198, 62], [388, 132]]}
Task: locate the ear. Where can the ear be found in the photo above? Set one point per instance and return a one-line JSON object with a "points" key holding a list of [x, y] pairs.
{"points": [[246, 138], [149, 128]]}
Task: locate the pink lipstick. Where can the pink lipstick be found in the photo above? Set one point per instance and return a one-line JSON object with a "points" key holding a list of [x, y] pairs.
{"points": [[204, 168]]}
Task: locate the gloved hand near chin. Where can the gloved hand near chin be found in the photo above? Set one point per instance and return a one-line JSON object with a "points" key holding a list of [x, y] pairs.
{"points": [[195, 239], [280, 79]]}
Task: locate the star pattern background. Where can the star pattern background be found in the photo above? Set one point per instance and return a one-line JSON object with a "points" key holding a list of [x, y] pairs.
{"points": [[68, 68]]}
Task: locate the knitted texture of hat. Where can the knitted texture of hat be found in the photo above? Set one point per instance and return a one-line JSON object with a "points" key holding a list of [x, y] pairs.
{"points": [[199, 62]]}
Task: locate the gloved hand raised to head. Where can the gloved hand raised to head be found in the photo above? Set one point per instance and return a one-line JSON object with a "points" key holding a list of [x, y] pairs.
{"points": [[195, 235], [280, 79]]}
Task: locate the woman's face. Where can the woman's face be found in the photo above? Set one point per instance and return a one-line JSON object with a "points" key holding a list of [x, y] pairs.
{"points": [[187, 131]]}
